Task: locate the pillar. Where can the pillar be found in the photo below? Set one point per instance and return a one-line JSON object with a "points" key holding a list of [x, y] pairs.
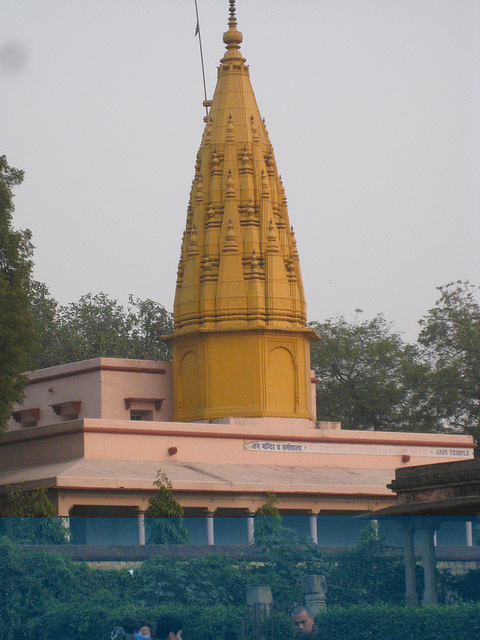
{"points": [[314, 589], [210, 529], [141, 527], [411, 597], [259, 595], [469, 533], [313, 529], [250, 528], [260, 600], [428, 560], [65, 522]]}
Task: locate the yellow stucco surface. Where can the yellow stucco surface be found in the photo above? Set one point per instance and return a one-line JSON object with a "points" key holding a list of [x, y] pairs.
{"points": [[242, 373]]}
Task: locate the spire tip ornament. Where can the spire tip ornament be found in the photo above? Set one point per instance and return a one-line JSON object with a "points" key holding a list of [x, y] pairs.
{"points": [[232, 38]]}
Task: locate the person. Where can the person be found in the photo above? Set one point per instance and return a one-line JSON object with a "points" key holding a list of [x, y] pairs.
{"points": [[303, 622], [125, 630], [146, 630], [169, 628]]}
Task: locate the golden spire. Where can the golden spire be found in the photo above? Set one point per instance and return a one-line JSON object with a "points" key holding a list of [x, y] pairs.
{"points": [[239, 269], [236, 156]]}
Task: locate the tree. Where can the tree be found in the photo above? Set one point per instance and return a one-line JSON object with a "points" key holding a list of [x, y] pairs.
{"points": [[366, 574], [98, 326], [17, 336], [151, 321], [450, 339], [268, 521], [368, 377], [269, 529], [30, 518], [94, 326], [163, 518], [47, 326]]}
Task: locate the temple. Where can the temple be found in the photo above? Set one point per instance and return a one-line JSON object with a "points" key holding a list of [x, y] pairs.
{"points": [[233, 417]]}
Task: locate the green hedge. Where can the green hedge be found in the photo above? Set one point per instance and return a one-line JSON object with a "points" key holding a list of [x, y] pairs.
{"points": [[223, 622], [95, 622], [384, 622], [47, 596]]}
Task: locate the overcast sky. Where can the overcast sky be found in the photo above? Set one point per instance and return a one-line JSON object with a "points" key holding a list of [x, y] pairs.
{"points": [[373, 110]]}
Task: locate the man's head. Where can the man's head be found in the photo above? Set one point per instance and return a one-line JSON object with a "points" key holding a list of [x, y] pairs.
{"points": [[169, 628], [302, 620]]}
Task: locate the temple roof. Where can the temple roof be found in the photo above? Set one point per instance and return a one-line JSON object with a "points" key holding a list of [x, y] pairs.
{"points": [[103, 474], [239, 265]]}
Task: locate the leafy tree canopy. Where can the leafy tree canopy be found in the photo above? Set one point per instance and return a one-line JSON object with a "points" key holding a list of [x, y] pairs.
{"points": [[17, 338], [97, 326], [450, 339], [368, 377], [30, 518], [29, 504]]}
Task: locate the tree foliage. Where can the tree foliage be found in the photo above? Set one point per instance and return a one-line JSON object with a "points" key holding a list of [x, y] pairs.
{"points": [[17, 338], [45, 595], [268, 528], [368, 377], [29, 504], [366, 574], [163, 518], [450, 339], [98, 326], [29, 518]]}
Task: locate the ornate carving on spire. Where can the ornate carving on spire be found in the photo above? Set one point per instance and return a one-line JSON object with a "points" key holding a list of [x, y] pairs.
{"points": [[254, 129], [193, 248], [230, 136], [272, 243], [199, 194], [231, 245]]}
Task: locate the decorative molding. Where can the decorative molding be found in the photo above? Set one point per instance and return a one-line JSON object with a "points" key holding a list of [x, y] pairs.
{"points": [[101, 367], [57, 408], [157, 401], [18, 415], [233, 436]]}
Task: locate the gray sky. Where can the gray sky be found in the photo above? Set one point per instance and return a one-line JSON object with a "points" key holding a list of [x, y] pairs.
{"points": [[373, 110]]}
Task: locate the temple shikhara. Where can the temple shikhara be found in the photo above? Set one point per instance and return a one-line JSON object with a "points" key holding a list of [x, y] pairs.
{"points": [[233, 416], [241, 346]]}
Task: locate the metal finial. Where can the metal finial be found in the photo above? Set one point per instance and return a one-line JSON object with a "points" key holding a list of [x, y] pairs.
{"points": [[232, 9]]}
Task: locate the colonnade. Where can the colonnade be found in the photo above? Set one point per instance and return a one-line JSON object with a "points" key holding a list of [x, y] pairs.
{"points": [[237, 527], [210, 526]]}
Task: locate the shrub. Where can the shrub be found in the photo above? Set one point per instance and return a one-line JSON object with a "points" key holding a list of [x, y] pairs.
{"points": [[468, 585], [33, 583], [163, 518], [365, 574], [30, 518], [384, 622]]}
